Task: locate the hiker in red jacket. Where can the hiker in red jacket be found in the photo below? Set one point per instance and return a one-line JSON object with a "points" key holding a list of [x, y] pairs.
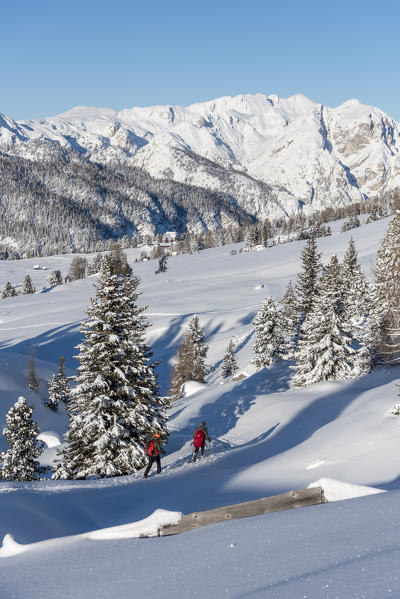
{"points": [[153, 450], [200, 436]]}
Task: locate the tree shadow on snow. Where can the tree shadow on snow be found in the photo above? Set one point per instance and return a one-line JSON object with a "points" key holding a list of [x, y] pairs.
{"points": [[50, 345]]}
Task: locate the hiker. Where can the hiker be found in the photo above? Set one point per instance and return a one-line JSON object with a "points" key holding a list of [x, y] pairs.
{"points": [[153, 450], [200, 436]]}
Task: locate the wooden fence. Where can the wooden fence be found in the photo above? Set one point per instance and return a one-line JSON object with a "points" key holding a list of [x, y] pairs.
{"points": [[257, 507]]}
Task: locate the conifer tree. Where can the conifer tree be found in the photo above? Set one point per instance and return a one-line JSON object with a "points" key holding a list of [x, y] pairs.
{"points": [[55, 278], [8, 291], [162, 265], [229, 364], [191, 358], [324, 351], [20, 459], [387, 278], [268, 345], [115, 406], [289, 318], [307, 280], [355, 287], [367, 355], [250, 238], [199, 349], [31, 377], [77, 269], [27, 285], [59, 389], [52, 401]]}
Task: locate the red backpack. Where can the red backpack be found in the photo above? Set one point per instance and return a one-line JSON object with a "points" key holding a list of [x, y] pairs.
{"points": [[149, 449], [199, 437]]}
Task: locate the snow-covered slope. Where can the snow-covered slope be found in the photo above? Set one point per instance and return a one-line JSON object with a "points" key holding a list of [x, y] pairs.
{"points": [[267, 439], [307, 152]]}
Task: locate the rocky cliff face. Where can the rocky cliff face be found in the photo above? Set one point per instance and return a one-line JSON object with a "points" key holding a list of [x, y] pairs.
{"points": [[273, 155]]}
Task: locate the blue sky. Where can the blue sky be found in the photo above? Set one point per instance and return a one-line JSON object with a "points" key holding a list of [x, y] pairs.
{"points": [[122, 53]]}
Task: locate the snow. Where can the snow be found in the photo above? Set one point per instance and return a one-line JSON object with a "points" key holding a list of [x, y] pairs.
{"points": [[10, 547], [266, 439], [148, 527], [335, 490], [191, 387], [51, 438]]}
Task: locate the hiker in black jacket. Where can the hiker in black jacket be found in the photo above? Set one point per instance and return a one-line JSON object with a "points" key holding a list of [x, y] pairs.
{"points": [[153, 450]]}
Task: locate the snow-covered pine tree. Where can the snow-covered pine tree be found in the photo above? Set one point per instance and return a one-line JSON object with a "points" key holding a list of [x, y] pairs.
{"points": [[324, 351], [31, 377], [59, 389], [191, 358], [289, 318], [250, 238], [387, 279], [8, 291], [162, 265], [307, 280], [20, 459], [182, 370], [229, 363], [27, 285], [55, 278], [52, 400], [115, 406], [367, 355], [199, 349], [268, 345], [357, 294]]}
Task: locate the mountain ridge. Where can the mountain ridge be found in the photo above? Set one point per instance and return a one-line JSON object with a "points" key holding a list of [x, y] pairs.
{"points": [[310, 155]]}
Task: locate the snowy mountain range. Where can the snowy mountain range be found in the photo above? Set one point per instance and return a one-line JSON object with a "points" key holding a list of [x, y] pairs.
{"points": [[272, 154]]}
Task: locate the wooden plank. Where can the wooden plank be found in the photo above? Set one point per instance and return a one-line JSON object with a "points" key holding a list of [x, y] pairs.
{"points": [[257, 507]]}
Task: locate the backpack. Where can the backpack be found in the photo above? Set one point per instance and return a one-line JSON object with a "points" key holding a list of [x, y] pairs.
{"points": [[199, 438], [149, 449]]}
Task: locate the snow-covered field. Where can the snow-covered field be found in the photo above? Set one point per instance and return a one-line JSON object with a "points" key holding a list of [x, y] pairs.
{"points": [[267, 439]]}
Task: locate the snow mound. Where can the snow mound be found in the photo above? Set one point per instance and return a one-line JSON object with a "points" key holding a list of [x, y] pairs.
{"points": [[51, 438], [148, 527], [259, 286], [335, 490], [11, 547], [192, 387]]}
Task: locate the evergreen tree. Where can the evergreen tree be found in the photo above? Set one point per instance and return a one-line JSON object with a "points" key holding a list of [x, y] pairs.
{"points": [[289, 318], [8, 291], [387, 278], [31, 377], [52, 401], [191, 358], [367, 355], [55, 278], [162, 264], [119, 261], [355, 286], [268, 346], [250, 238], [59, 389], [115, 406], [27, 285], [199, 350], [20, 459], [77, 269], [307, 280], [182, 369], [229, 364], [95, 266], [324, 351]]}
